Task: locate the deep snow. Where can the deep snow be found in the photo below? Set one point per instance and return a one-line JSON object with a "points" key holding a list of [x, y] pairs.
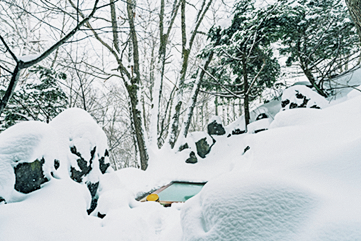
{"points": [[300, 180]]}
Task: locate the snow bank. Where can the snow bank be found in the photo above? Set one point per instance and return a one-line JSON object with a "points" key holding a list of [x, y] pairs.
{"points": [[299, 181]]}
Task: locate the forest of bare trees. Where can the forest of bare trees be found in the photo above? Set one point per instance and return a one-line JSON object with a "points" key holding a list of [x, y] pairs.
{"points": [[151, 71]]}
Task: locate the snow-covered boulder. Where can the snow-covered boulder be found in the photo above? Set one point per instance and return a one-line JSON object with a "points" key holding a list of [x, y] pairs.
{"points": [[32, 153], [215, 126], [85, 144], [300, 96], [192, 158], [196, 142], [29, 157], [203, 143]]}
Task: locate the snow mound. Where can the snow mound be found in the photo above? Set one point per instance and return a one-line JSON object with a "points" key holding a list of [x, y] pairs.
{"points": [[305, 189], [247, 208]]}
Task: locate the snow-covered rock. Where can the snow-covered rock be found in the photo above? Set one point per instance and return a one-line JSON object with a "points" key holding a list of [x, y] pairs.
{"points": [[28, 157], [215, 126], [85, 145], [300, 96], [32, 153]]}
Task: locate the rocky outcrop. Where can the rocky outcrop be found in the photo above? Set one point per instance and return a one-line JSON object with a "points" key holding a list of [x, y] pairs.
{"points": [[300, 96], [33, 153], [86, 148]]}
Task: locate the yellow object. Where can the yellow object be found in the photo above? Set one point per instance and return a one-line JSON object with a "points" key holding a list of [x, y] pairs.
{"points": [[153, 197]]}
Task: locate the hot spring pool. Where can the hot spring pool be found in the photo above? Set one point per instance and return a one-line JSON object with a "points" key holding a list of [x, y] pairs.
{"points": [[176, 192], [180, 191]]}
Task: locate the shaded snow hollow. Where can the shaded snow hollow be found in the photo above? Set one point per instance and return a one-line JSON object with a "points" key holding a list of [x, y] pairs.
{"points": [[298, 181]]}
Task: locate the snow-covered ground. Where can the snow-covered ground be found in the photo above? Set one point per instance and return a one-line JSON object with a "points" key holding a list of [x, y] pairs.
{"points": [[299, 180]]}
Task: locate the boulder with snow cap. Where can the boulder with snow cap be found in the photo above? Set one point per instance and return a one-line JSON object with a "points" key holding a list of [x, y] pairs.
{"points": [[86, 146], [215, 126], [300, 96], [200, 143], [27, 157]]}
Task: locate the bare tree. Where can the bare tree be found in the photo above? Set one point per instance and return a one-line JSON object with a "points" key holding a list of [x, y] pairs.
{"points": [[22, 63], [186, 49]]}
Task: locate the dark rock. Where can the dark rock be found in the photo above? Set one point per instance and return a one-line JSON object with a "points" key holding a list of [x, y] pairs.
{"points": [[293, 105], [102, 165], [93, 187], [315, 107], [262, 116], [299, 95], [92, 153], [192, 158], [284, 103], [76, 175], [106, 153], [82, 164], [215, 128], [74, 151], [203, 147], [56, 164], [238, 132], [183, 147], [259, 130], [100, 215], [29, 176], [229, 135], [246, 149], [2, 200], [304, 103]]}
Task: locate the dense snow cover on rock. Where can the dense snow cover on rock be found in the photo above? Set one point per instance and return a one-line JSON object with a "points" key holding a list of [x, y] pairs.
{"points": [[298, 180]]}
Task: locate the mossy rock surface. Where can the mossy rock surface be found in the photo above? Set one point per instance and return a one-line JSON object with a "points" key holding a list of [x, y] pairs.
{"points": [[29, 176]]}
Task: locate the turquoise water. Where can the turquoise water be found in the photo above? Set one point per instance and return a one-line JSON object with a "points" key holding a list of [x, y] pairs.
{"points": [[180, 192]]}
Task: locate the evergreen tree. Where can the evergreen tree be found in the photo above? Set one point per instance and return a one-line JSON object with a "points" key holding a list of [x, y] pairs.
{"points": [[319, 36], [246, 65], [41, 100]]}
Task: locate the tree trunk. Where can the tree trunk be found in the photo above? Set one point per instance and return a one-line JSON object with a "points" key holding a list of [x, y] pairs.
{"points": [[246, 98], [133, 90], [354, 6], [186, 49], [312, 79], [194, 94]]}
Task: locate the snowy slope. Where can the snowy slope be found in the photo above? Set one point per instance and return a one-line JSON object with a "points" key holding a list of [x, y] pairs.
{"points": [[300, 180]]}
